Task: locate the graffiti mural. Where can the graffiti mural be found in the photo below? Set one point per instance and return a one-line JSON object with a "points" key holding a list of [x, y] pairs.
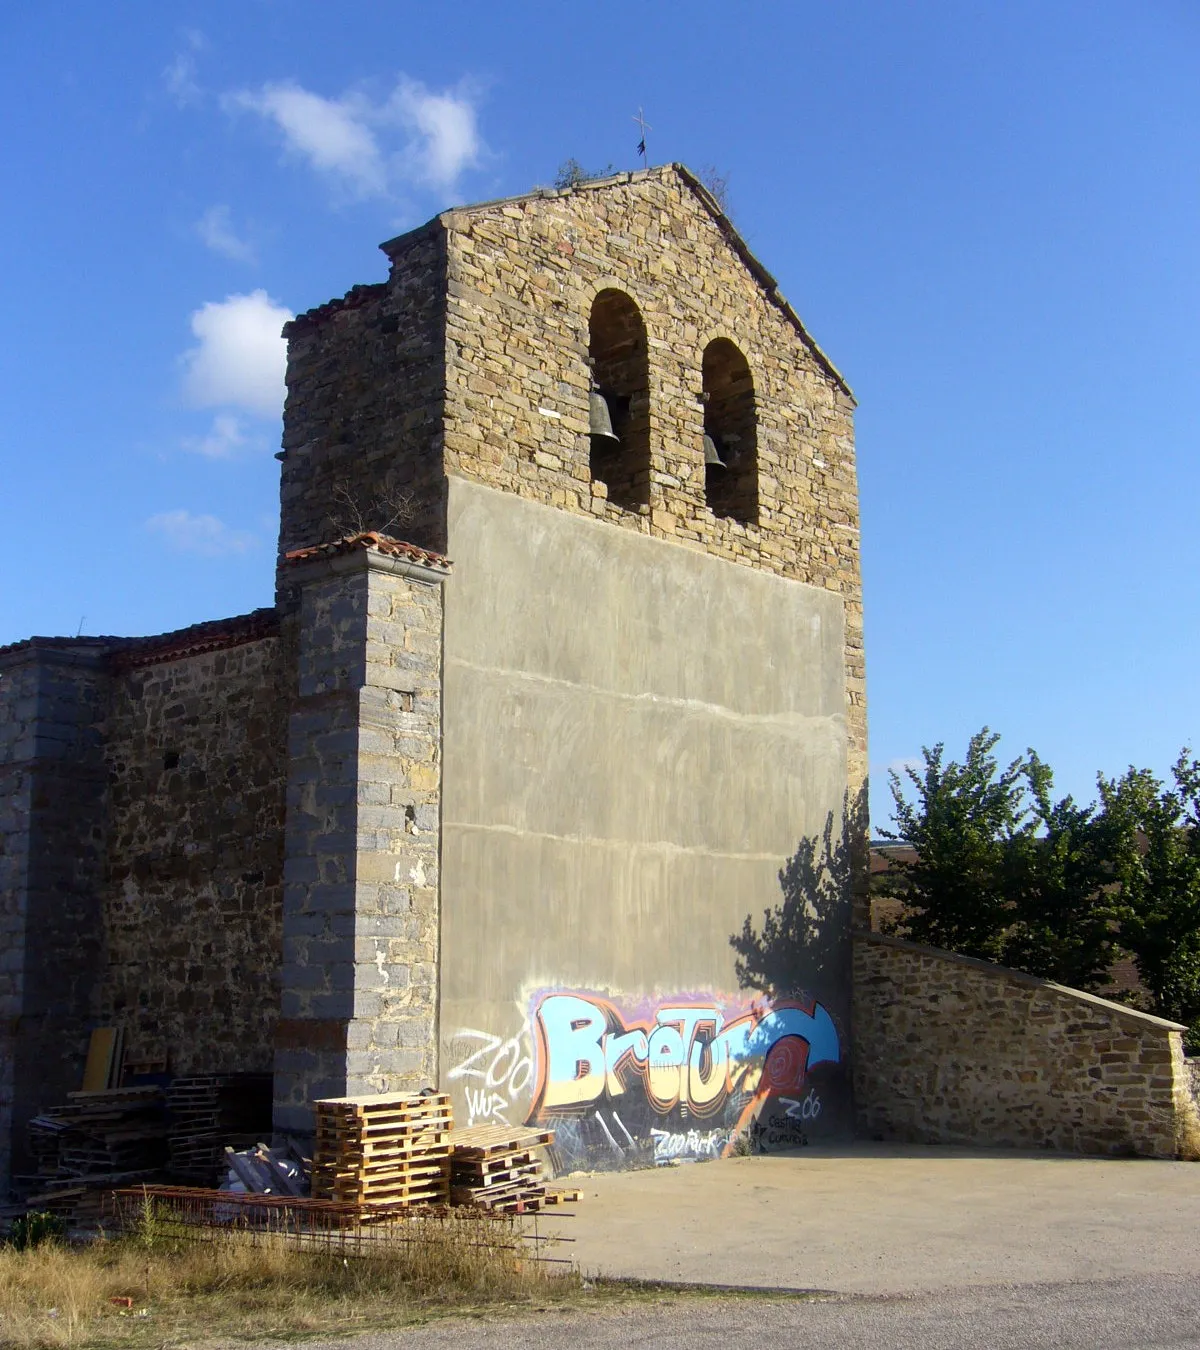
{"points": [[684, 1078]]}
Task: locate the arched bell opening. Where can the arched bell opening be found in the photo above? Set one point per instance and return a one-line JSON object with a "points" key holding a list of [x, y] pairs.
{"points": [[730, 434], [620, 401]]}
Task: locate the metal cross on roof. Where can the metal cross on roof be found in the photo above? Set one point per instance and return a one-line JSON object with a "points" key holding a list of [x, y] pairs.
{"points": [[645, 127]]}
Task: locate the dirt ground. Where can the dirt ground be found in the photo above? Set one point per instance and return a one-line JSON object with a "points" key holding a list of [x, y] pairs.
{"points": [[879, 1219]]}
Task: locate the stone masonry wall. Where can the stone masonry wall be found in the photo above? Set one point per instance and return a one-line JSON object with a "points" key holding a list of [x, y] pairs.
{"points": [[361, 919], [193, 890], [522, 276], [51, 866], [950, 1050], [18, 713], [364, 407]]}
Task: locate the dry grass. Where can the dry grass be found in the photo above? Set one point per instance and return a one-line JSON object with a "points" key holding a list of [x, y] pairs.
{"points": [[187, 1294], [1188, 1136]]}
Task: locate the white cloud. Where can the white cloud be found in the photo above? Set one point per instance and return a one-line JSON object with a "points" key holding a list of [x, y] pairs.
{"points": [[180, 76], [226, 438], [330, 133], [204, 535], [215, 228], [353, 137], [241, 357], [447, 136]]}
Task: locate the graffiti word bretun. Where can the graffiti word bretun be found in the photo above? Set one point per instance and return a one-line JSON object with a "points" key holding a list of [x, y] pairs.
{"points": [[687, 1054]]}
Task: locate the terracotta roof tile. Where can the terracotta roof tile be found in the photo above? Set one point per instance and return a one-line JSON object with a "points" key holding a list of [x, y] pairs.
{"points": [[354, 297], [370, 541], [200, 637], [122, 653]]}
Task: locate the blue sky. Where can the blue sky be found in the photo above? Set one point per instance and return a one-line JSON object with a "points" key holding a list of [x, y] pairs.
{"points": [[987, 214]]}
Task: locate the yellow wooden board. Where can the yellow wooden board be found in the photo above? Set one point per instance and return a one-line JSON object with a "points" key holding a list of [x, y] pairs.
{"points": [[102, 1051]]}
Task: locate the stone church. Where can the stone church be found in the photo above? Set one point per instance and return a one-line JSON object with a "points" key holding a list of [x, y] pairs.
{"points": [[483, 808]]}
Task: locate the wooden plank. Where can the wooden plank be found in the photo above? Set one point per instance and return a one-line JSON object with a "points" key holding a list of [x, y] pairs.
{"points": [[403, 1129], [370, 1149], [385, 1100], [382, 1128], [383, 1149], [496, 1178], [118, 1060], [380, 1178], [499, 1162], [115, 1096], [98, 1069], [420, 1162], [385, 1194]]}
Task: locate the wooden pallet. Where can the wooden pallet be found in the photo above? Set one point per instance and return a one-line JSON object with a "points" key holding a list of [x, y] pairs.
{"points": [[462, 1176], [517, 1200], [432, 1191], [496, 1167], [426, 1144], [206, 1112], [383, 1149], [485, 1141], [96, 1134]]}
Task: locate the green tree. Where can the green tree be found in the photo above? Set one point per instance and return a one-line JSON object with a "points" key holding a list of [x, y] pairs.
{"points": [[959, 824], [1157, 861], [1058, 874]]}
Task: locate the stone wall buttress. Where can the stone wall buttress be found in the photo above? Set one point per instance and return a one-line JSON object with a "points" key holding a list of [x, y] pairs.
{"points": [[361, 892]]}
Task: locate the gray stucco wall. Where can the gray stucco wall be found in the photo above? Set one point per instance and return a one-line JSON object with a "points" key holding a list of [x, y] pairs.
{"points": [[637, 737]]}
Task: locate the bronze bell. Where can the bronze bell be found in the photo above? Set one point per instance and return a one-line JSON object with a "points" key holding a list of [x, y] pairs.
{"points": [[601, 419], [710, 453]]}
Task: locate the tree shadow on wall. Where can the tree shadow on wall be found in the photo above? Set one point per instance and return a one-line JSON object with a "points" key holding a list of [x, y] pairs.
{"points": [[803, 946]]}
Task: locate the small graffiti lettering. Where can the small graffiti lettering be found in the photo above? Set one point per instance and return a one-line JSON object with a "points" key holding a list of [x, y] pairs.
{"points": [[672, 1144], [496, 1071], [808, 1109]]}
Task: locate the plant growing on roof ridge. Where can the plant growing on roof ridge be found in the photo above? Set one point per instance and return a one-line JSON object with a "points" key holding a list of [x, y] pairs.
{"points": [[717, 182], [571, 174], [352, 514]]}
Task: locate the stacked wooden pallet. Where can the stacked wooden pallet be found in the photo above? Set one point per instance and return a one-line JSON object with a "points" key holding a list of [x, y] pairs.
{"points": [[96, 1141], [207, 1112], [117, 1130], [383, 1150], [496, 1167]]}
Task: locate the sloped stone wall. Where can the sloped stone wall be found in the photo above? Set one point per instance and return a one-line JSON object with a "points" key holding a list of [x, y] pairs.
{"points": [[950, 1050]]}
